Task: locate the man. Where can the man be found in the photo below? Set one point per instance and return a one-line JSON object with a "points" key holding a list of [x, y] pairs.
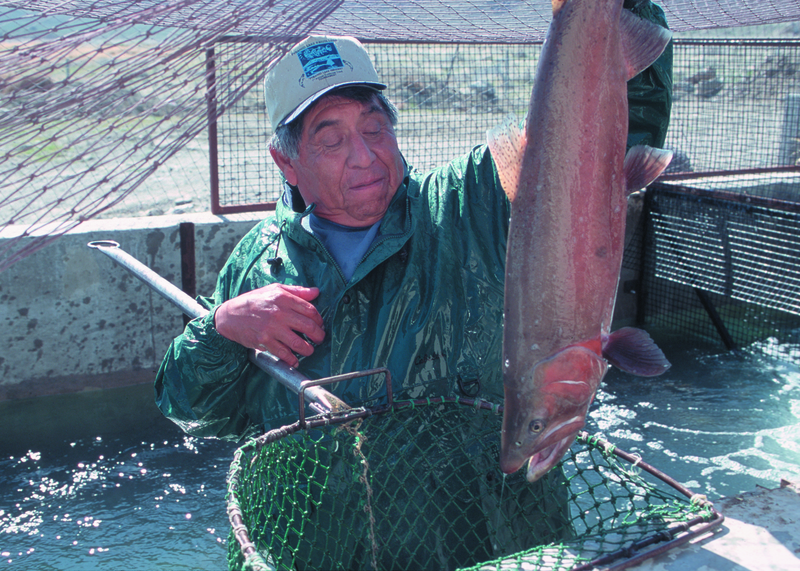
{"points": [[366, 262]]}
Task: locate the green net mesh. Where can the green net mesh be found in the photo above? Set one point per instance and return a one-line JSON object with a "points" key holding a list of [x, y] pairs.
{"points": [[419, 487]]}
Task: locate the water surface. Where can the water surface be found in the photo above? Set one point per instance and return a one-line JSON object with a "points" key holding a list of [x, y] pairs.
{"points": [[149, 499], [720, 423]]}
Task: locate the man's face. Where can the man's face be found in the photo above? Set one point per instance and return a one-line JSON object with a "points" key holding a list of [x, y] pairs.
{"points": [[349, 163]]}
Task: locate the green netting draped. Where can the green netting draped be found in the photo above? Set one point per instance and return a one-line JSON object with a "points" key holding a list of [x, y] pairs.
{"points": [[419, 487]]}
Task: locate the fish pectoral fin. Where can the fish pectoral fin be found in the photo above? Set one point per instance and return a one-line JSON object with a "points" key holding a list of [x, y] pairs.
{"points": [[635, 352], [643, 165], [642, 42], [507, 143]]}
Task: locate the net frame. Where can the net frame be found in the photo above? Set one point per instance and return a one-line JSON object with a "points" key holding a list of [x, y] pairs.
{"points": [[596, 549]]}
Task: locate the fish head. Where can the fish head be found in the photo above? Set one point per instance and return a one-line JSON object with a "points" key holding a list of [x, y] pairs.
{"points": [[545, 409]]}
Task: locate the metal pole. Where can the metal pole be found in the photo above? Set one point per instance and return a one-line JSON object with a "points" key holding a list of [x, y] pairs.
{"points": [[321, 400], [211, 105], [188, 273], [730, 344]]}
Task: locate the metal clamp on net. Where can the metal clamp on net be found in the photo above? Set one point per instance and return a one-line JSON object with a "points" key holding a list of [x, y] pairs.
{"points": [[343, 416]]}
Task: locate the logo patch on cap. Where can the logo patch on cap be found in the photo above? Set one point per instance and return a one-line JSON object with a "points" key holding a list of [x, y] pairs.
{"points": [[320, 58]]}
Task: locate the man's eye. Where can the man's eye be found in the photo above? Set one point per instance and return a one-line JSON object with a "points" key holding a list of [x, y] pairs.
{"points": [[331, 142], [373, 129]]}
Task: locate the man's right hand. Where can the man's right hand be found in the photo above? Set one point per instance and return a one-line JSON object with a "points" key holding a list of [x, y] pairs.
{"points": [[273, 318]]}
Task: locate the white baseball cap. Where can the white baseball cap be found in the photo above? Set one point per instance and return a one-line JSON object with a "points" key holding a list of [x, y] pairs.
{"points": [[311, 69]]}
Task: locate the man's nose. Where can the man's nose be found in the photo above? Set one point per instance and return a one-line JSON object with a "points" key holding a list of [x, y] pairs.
{"points": [[361, 154]]}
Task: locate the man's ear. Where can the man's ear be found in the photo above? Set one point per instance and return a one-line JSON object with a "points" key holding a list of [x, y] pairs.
{"points": [[285, 164]]}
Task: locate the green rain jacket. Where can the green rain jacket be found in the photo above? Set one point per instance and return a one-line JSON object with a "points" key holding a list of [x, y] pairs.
{"points": [[426, 301]]}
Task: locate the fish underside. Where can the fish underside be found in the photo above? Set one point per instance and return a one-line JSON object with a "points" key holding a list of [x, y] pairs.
{"points": [[568, 192]]}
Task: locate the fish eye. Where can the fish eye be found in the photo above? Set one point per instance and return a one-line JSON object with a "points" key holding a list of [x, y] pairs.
{"points": [[536, 426]]}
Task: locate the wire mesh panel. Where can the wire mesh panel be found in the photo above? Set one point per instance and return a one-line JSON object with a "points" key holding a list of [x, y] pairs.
{"points": [[715, 263], [736, 108], [736, 105], [419, 487], [241, 167], [448, 96]]}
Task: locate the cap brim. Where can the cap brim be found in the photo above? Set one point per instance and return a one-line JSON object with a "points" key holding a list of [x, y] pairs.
{"points": [[311, 100]]}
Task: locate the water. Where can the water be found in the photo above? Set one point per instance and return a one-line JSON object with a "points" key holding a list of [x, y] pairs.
{"points": [[153, 498], [719, 423], [149, 499]]}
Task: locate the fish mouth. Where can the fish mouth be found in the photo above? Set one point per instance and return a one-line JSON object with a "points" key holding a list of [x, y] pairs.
{"points": [[544, 460], [552, 447], [545, 453], [564, 430]]}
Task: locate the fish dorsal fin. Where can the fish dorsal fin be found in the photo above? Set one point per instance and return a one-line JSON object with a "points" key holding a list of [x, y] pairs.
{"points": [[634, 351], [642, 42], [557, 5], [507, 143], [643, 165]]}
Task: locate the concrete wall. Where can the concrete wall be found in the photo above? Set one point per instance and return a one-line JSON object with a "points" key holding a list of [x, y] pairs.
{"points": [[71, 319]]}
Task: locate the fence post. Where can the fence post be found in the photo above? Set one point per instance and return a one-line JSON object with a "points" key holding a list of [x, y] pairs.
{"points": [[790, 138]]}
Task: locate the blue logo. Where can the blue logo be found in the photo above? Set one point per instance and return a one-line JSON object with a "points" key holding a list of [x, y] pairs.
{"points": [[320, 58]]}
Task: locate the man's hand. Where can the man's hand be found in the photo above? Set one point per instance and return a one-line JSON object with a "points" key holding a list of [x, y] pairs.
{"points": [[273, 318]]}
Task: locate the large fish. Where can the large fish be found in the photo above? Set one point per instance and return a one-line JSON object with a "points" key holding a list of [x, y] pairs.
{"points": [[568, 190]]}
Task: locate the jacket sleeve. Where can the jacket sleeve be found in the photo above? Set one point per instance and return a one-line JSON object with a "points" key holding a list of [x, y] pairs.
{"points": [[201, 382], [650, 92]]}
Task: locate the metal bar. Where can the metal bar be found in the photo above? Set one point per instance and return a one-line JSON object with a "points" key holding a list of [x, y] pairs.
{"points": [[188, 274], [291, 39], [321, 400], [211, 105], [636, 558], [252, 207], [758, 42], [688, 175], [641, 287], [730, 344], [310, 385], [745, 200]]}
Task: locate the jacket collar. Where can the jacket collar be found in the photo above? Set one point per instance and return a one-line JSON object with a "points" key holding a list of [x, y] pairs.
{"points": [[291, 208]]}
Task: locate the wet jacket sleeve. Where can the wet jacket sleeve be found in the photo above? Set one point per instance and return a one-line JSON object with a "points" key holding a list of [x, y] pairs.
{"points": [[201, 379], [650, 92]]}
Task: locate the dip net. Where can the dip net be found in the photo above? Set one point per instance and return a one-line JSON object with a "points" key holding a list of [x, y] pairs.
{"points": [[417, 485]]}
